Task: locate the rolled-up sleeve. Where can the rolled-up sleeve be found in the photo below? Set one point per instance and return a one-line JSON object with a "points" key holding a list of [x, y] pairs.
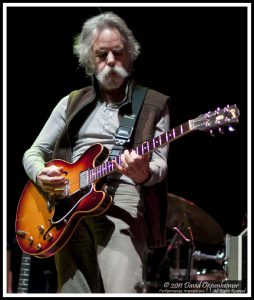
{"points": [[41, 150], [158, 164]]}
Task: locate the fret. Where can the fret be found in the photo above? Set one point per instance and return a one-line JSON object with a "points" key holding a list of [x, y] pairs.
{"points": [[89, 176], [167, 139], [110, 166], [25, 263], [163, 139], [93, 174], [139, 150], [118, 160], [98, 171], [24, 280], [148, 146], [167, 136], [24, 273], [104, 169], [154, 145], [24, 269]]}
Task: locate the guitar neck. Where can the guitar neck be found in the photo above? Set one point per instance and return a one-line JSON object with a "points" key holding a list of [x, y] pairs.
{"points": [[24, 274], [163, 139], [89, 176]]}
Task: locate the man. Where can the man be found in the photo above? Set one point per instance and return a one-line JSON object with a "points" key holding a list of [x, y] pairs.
{"points": [[106, 252]]}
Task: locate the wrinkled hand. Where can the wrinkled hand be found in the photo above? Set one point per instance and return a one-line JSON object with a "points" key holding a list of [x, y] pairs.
{"points": [[51, 179], [134, 166]]}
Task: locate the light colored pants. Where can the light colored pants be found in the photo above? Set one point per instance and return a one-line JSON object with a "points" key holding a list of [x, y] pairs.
{"points": [[111, 246]]}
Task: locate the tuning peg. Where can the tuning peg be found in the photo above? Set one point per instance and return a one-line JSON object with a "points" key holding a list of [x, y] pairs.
{"points": [[211, 132], [231, 128], [221, 130]]}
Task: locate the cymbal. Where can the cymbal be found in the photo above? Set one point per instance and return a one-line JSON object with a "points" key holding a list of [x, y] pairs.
{"points": [[184, 214]]}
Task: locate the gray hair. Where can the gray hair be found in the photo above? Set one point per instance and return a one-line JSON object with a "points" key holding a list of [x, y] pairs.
{"points": [[84, 41]]}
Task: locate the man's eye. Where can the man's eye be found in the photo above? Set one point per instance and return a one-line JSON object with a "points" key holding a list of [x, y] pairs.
{"points": [[118, 53], [101, 55]]}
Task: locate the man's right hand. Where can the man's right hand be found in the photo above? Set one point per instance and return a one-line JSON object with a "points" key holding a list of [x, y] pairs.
{"points": [[51, 179]]}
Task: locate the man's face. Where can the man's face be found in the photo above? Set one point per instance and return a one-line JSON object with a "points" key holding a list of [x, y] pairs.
{"points": [[111, 58]]}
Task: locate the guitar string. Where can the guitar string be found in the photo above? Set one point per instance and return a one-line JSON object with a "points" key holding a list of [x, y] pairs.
{"points": [[176, 132], [139, 149]]}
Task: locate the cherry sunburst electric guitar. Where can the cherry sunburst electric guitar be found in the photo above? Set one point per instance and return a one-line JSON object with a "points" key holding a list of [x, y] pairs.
{"points": [[45, 223]]}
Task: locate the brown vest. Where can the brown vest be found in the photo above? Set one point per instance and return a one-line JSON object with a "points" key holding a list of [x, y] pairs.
{"points": [[80, 104]]}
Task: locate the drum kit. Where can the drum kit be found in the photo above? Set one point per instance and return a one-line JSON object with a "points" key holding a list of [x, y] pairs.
{"points": [[190, 230]]}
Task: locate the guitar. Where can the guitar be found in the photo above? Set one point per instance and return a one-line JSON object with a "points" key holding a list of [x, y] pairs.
{"points": [[44, 223], [24, 274]]}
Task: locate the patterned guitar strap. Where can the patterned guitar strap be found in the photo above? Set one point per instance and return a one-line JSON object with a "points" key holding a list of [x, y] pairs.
{"points": [[127, 122]]}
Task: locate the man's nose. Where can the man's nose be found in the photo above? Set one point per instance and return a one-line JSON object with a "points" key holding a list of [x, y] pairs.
{"points": [[111, 59]]}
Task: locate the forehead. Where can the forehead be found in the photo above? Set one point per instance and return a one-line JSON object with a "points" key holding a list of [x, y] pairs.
{"points": [[107, 38]]}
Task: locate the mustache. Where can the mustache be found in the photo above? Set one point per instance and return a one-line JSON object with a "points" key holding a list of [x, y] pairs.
{"points": [[105, 73]]}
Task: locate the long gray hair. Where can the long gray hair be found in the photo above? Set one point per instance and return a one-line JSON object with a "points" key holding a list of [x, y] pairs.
{"points": [[84, 41]]}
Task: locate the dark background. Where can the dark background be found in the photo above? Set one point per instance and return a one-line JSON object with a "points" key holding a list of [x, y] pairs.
{"points": [[198, 56]]}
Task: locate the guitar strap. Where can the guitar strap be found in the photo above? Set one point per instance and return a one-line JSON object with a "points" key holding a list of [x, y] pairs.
{"points": [[127, 122]]}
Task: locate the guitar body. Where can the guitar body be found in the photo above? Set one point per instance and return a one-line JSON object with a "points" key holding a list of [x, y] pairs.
{"points": [[42, 228]]}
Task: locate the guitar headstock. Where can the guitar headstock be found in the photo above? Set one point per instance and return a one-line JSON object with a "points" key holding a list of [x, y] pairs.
{"points": [[216, 119]]}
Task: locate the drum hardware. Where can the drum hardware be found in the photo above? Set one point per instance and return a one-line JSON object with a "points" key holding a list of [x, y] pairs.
{"points": [[190, 253], [174, 244], [204, 228], [189, 223], [219, 257], [195, 225]]}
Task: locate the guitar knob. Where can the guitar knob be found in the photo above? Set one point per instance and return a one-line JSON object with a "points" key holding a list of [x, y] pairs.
{"points": [[49, 236], [211, 132], [41, 228], [30, 239], [21, 233], [38, 247]]}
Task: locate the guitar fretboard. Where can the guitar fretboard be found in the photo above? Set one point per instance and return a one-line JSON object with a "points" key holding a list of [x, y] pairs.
{"points": [[89, 176], [24, 273]]}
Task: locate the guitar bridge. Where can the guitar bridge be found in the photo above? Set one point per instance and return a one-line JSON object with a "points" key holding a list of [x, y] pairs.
{"points": [[54, 199]]}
